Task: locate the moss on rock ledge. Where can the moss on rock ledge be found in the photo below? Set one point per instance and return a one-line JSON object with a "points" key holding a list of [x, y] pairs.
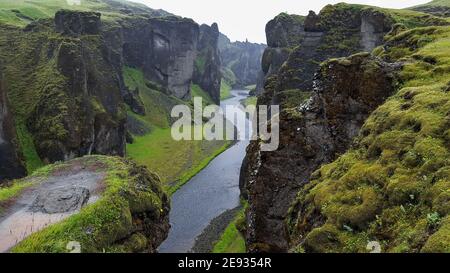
{"points": [[393, 185], [131, 214]]}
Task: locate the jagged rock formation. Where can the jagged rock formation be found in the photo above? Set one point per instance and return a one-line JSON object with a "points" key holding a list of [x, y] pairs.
{"points": [[11, 165], [283, 33], [337, 31], [124, 208], [169, 59], [345, 92], [243, 59], [207, 64], [391, 188]]}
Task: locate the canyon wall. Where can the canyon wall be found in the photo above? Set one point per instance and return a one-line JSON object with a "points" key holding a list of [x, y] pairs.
{"points": [[11, 165], [316, 123], [243, 59], [207, 64]]}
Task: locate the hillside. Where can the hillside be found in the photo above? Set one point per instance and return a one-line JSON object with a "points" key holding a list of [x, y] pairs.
{"points": [[436, 7]]}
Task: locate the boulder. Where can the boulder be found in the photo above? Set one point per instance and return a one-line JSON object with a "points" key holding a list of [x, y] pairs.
{"points": [[60, 200]]}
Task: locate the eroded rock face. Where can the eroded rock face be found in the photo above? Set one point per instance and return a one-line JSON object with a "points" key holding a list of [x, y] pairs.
{"points": [[207, 65], [163, 48], [346, 92], [84, 114], [337, 31], [243, 59], [11, 165], [77, 23]]}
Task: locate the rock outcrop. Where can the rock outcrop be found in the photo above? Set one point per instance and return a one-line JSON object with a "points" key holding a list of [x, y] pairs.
{"points": [[243, 59], [124, 208], [315, 134], [169, 59], [11, 165], [321, 113], [389, 192], [207, 64], [346, 92], [76, 23]]}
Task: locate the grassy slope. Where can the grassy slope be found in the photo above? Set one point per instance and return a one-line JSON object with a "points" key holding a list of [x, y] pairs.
{"points": [[393, 185], [21, 12], [174, 161], [225, 90], [436, 3], [232, 241]]}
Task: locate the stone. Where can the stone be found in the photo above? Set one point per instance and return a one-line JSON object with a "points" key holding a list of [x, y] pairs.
{"points": [[60, 200]]}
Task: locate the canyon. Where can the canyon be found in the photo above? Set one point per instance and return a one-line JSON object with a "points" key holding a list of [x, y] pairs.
{"points": [[86, 153]]}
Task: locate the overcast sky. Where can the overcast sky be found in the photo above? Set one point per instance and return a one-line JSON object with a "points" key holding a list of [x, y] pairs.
{"points": [[246, 19]]}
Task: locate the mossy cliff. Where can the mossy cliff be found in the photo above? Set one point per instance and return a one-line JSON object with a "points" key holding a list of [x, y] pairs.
{"points": [[361, 111], [207, 74], [337, 31], [392, 186], [242, 60], [10, 157], [63, 91], [126, 210], [311, 135]]}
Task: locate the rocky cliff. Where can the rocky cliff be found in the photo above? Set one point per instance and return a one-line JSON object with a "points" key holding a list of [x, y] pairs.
{"points": [[207, 64], [389, 191], [169, 58], [243, 59], [321, 113]]}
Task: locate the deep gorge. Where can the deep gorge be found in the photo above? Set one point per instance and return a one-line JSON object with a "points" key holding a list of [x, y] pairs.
{"points": [[85, 110]]}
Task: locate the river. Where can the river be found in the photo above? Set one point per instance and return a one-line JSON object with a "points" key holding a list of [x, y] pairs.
{"points": [[210, 193]]}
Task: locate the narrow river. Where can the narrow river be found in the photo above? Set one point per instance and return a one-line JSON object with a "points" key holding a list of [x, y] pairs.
{"points": [[210, 193]]}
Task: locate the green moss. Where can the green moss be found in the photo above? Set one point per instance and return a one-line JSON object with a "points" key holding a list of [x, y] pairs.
{"points": [[232, 240], [200, 63], [225, 90], [439, 241], [197, 91], [252, 100], [392, 185]]}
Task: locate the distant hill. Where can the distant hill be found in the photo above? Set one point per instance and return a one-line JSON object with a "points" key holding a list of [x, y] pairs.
{"points": [[437, 7], [21, 12]]}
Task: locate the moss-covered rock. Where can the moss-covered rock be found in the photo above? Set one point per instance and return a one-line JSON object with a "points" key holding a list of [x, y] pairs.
{"points": [[128, 211], [392, 185], [312, 133]]}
